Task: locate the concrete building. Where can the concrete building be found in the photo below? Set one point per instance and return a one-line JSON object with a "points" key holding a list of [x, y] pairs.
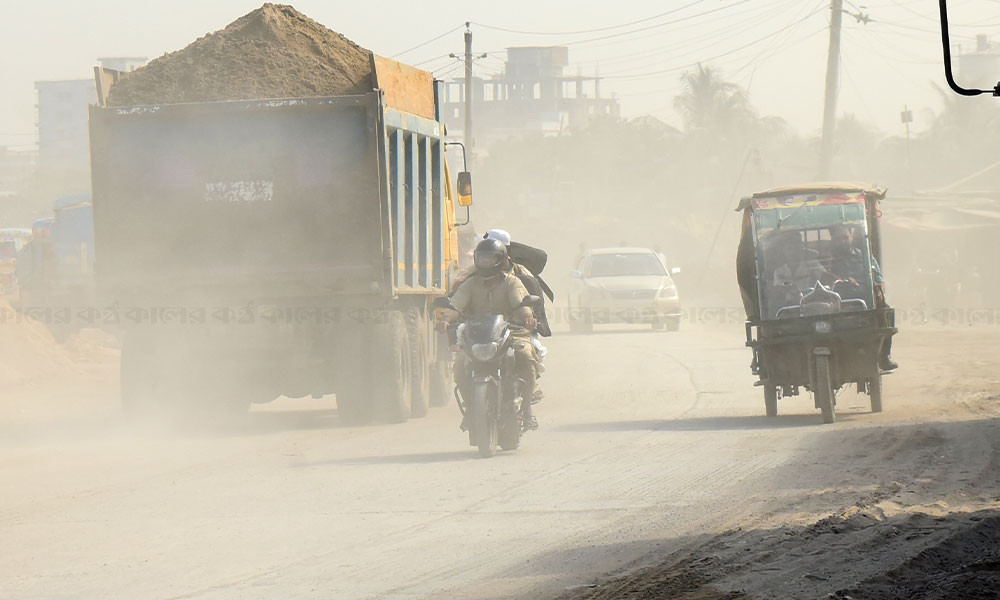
{"points": [[63, 135], [123, 63], [532, 94], [979, 69], [63, 138], [16, 167]]}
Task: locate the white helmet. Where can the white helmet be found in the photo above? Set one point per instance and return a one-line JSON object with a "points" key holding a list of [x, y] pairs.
{"points": [[499, 235]]}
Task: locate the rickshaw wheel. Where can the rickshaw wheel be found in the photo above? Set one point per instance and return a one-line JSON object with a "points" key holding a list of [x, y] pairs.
{"points": [[824, 388], [875, 391], [771, 400]]}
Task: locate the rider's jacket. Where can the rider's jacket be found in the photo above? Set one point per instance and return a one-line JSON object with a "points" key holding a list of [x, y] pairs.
{"points": [[500, 295]]}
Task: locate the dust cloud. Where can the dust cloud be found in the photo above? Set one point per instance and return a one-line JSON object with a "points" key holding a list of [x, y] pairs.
{"points": [[282, 468]]}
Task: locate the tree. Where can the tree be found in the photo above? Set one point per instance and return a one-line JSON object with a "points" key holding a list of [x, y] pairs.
{"points": [[709, 102]]}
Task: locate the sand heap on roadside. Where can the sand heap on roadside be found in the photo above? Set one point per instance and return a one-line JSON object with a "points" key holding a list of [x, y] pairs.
{"points": [[273, 52], [29, 353]]}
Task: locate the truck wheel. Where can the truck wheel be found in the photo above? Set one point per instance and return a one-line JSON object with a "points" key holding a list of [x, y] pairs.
{"points": [[420, 377], [824, 388], [441, 384], [771, 400], [354, 403], [352, 407], [136, 377], [389, 358], [875, 391]]}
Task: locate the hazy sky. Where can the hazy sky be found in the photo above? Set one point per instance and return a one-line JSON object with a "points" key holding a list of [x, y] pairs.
{"points": [[775, 48]]}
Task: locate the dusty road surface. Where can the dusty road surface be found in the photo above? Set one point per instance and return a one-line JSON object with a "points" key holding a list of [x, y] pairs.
{"points": [[653, 452]]}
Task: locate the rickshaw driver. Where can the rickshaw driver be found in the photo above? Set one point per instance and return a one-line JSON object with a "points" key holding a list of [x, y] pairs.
{"points": [[848, 263]]}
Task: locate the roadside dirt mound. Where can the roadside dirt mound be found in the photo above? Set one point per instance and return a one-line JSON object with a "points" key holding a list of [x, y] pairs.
{"points": [[272, 52], [966, 565], [28, 353]]}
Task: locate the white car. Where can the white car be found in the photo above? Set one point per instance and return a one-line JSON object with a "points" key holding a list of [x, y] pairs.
{"points": [[623, 285]]}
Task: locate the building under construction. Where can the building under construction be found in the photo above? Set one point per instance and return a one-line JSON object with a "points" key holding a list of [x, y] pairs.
{"points": [[532, 94]]}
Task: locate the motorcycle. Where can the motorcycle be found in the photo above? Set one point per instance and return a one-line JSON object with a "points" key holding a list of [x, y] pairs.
{"points": [[493, 411]]}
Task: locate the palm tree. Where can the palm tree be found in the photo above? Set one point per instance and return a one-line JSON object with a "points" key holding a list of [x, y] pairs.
{"points": [[709, 102]]}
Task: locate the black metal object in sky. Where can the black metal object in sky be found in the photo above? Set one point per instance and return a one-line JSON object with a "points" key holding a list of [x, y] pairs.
{"points": [[946, 44]]}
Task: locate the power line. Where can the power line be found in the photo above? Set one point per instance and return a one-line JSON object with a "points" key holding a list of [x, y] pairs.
{"points": [[693, 44], [424, 62], [658, 25], [935, 19], [706, 60], [779, 43], [434, 39], [581, 31]]}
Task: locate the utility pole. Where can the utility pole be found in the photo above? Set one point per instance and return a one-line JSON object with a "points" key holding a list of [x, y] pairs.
{"points": [[468, 58], [468, 87], [906, 117], [832, 85]]}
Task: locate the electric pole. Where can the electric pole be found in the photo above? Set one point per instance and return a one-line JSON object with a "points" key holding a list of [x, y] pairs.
{"points": [[832, 85], [468, 58], [468, 88]]}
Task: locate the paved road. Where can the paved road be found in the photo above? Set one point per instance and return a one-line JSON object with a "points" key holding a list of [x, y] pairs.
{"points": [[648, 441]]}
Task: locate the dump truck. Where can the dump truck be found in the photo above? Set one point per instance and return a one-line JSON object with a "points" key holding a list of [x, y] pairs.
{"points": [[281, 247]]}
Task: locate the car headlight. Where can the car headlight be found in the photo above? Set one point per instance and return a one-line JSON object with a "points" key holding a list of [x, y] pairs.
{"points": [[668, 291], [822, 326], [484, 352]]}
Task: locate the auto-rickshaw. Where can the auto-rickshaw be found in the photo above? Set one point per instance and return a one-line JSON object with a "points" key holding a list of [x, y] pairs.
{"points": [[808, 269]]}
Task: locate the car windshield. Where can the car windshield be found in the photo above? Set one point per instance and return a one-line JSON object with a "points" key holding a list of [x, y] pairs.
{"points": [[623, 265]]}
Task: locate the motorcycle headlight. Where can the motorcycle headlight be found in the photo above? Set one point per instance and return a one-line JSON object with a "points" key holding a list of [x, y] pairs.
{"points": [[484, 352]]}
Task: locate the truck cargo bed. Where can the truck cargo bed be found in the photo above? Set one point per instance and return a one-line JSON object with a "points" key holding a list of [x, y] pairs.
{"points": [[304, 198]]}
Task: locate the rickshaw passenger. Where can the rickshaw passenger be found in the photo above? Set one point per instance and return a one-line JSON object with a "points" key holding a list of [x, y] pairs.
{"points": [[799, 267]]}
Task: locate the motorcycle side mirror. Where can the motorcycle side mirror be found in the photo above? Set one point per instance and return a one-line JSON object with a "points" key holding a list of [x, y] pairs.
{"points": [[531, 301], [444, 302]]}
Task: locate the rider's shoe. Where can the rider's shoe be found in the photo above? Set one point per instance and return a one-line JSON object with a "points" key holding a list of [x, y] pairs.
{"points": [[529, 423], [537, 396], [887, 364]]}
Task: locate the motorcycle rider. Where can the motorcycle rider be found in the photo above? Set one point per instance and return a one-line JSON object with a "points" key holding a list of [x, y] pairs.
{"points": [[531, 283], [489, 291]]}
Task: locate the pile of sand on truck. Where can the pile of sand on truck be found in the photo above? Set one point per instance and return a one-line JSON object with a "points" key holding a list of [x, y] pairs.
{"points": [[272, 52]]}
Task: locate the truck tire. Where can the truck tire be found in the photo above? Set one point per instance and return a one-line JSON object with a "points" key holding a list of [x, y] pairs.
{"points": [[420, 376], [824, 388], [354, 405], [771, 400], [441, 384], [138, 396], [389, 361]]}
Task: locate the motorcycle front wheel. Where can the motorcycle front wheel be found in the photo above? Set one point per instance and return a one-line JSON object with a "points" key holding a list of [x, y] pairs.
{"points": [[484, 425]]}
